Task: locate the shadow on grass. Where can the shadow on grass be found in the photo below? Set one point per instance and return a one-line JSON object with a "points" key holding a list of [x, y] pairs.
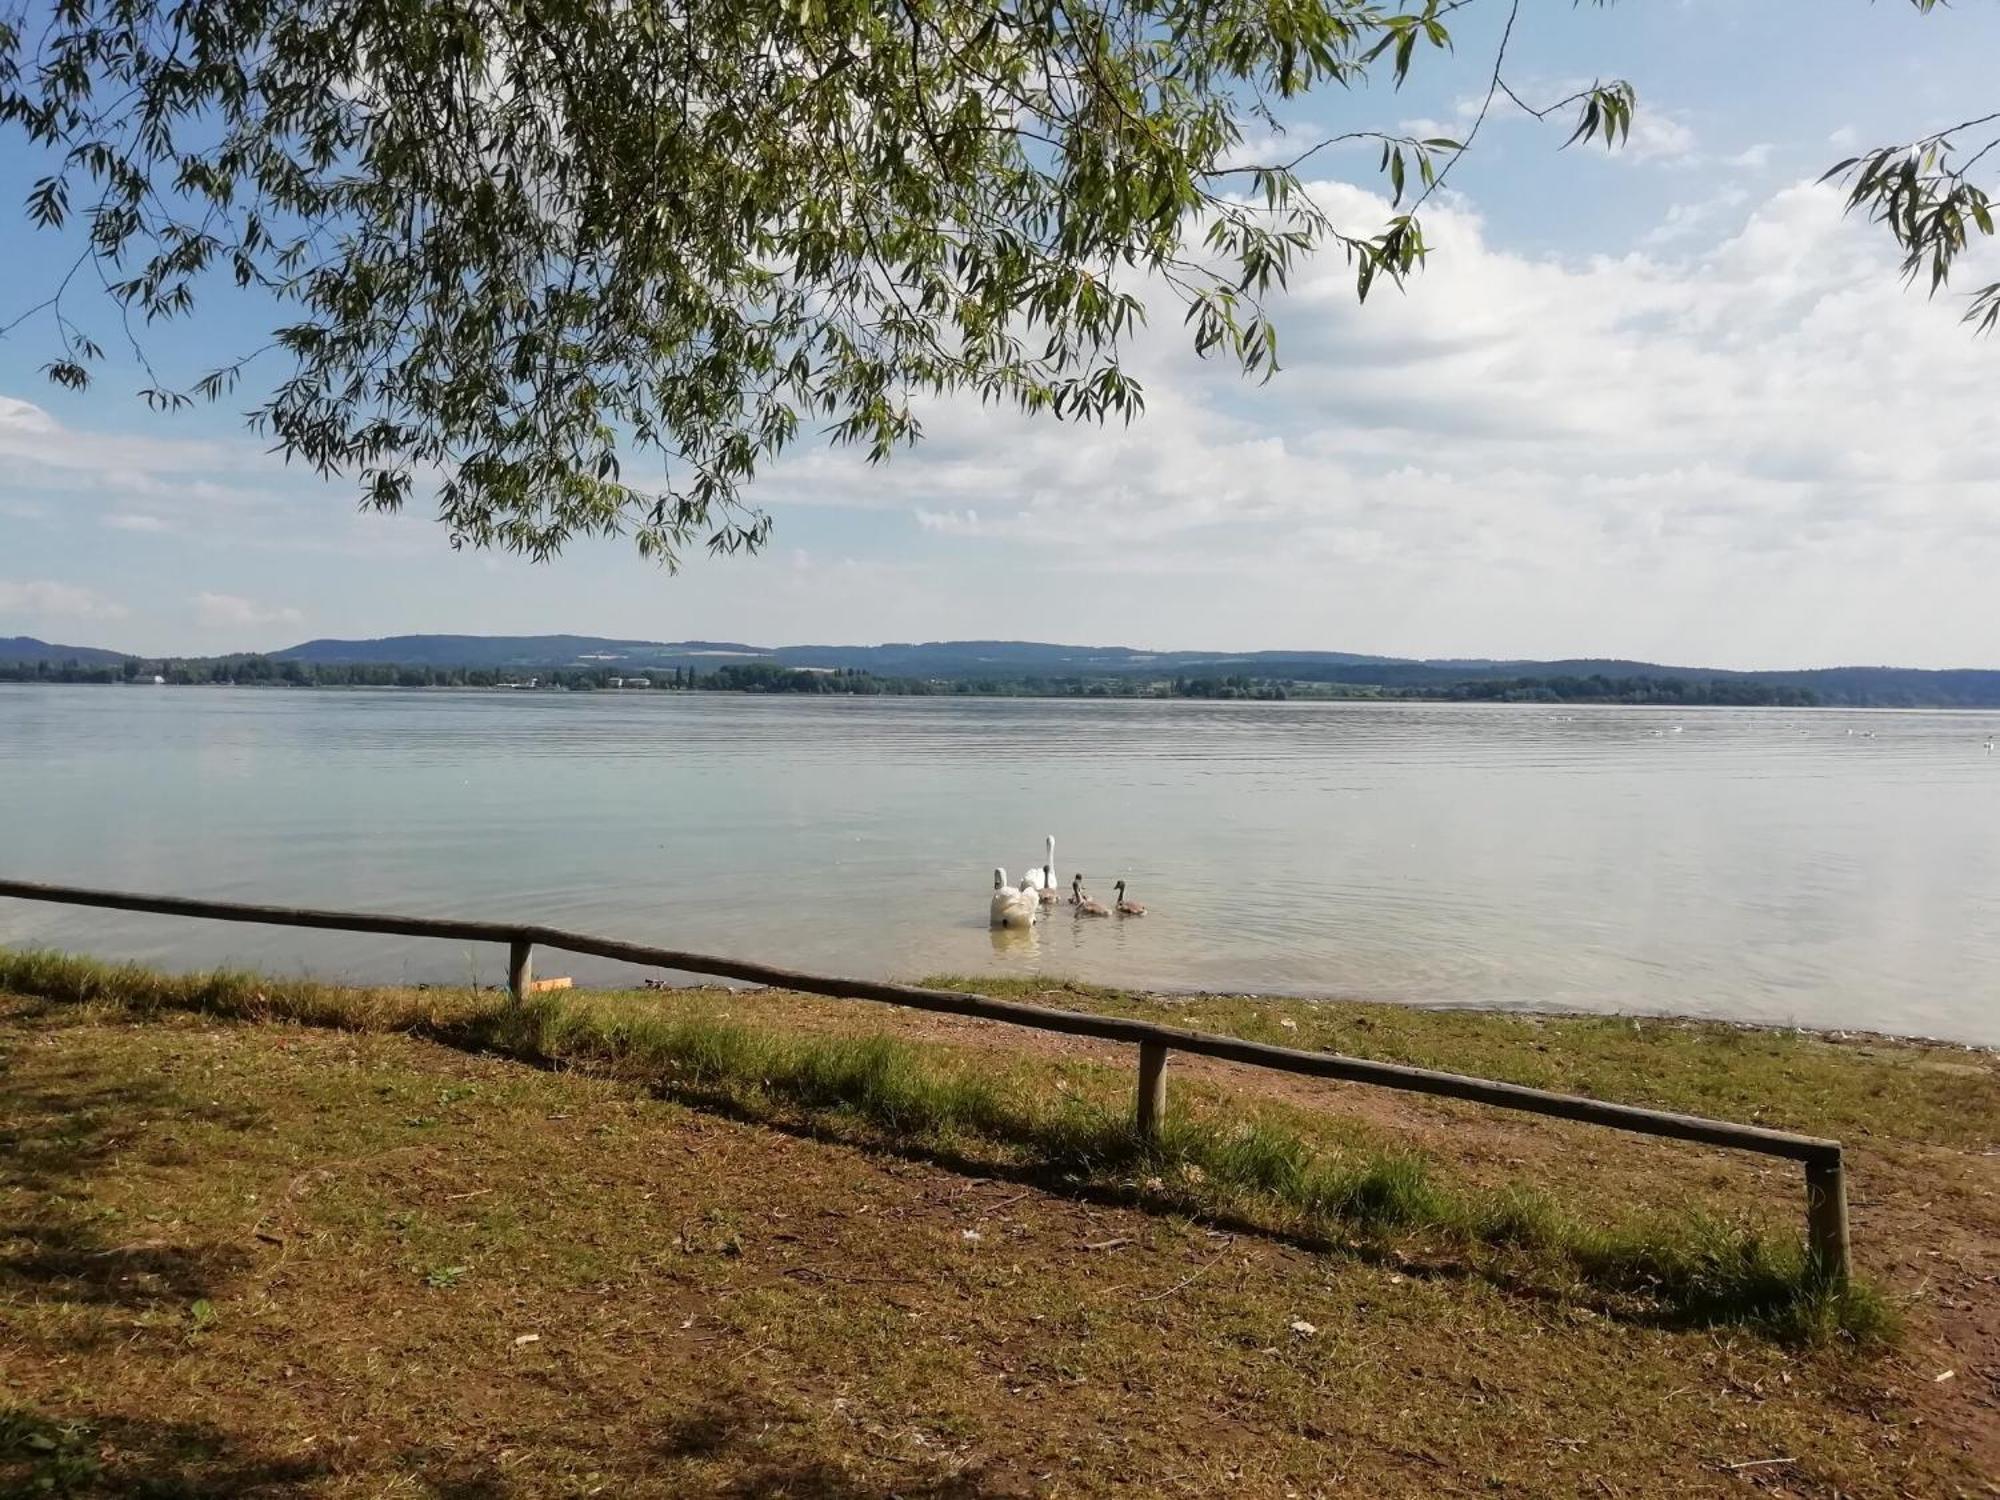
{"points": [[58, 1133], [1252, 1176], [138, 1459], [927, 1103], [135, 1458], [54, 1137], [73, 1264], [734, 1434]]}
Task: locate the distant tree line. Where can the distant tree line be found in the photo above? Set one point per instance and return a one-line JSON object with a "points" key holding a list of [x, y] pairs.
{"points": [[70, 671], [768, 677], [1731, 692]]}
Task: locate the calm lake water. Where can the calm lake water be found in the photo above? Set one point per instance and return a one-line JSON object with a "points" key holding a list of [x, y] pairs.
{"points": [[1823, 868]]}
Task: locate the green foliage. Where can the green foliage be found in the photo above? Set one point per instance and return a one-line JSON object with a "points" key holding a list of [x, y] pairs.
{"points": [[1923, 192], [509, 247], [55, 1458], [512, 244]]}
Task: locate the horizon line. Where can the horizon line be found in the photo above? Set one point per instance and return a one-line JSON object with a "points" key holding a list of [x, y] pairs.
{"points": [[1361, 657]]}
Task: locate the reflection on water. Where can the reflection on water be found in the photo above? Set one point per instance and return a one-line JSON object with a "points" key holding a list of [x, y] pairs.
{"points": [[1837, 869], [1015, 942]]}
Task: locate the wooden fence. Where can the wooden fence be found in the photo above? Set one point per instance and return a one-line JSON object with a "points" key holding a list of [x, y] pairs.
{"points": [[1825, 1176]]}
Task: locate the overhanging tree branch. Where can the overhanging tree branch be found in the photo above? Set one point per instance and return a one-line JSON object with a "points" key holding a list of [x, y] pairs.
{"points": [[512, 245]]}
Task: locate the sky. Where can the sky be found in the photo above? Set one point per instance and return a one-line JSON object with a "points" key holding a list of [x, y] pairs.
{"points": [[1665, 403]]}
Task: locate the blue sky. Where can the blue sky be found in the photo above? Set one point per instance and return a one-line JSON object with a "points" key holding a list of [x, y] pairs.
{"points": [[1664, 403]]}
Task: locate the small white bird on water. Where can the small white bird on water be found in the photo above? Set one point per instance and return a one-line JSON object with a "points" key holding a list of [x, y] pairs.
{"points": [[1012, 906]]}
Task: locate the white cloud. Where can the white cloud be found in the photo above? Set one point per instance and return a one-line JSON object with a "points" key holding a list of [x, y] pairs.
{"points": [[1744, 443], [1425, 128], [1658, 136], [1844, 137], [1685, 220], [1751, 158], [969, 522], [1760, 449], [232, 611], [143, 482], [34, 445], [46, 599], [1269, 147]]}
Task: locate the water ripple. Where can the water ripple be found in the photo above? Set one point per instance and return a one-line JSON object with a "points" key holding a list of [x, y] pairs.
{"points": [[1827, 867]]}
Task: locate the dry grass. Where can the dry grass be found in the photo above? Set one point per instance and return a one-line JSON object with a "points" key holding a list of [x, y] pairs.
{"points": [[278, 1239], [1269, 1173]]}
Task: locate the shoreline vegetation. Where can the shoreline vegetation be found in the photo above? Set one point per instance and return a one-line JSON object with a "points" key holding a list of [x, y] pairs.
{"points": [[1001, 668], [1279, 1172], [765, 678], [275, 1235]]}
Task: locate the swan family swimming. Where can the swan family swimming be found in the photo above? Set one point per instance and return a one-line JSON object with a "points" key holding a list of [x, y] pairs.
{"points": [[1019, 905]]}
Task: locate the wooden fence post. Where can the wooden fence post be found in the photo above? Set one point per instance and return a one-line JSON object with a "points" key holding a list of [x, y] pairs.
{"points": [[1152, 1089], [1826, 1216], [520, 968]]}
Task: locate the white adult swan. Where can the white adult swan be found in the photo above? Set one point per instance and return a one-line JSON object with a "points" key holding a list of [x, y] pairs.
{"points": [[1012, 907], [1044, 879]]}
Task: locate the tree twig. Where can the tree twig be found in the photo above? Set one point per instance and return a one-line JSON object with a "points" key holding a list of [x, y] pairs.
{"points": [[1192, 1277]]}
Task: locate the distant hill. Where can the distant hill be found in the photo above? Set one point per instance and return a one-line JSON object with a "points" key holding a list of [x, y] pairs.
{"points": [[896, 659], [972, 660], [26, 649], [512, 651], [1019, 662]]}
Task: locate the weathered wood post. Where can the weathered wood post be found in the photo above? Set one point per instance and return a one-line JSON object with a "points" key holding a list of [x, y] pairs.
{"points": [[1826, 1215], [1152, 1089], [520, 968]]}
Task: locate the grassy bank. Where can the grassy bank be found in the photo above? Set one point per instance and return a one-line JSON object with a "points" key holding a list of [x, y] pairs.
{"points": [[1269, 1170], [1789, 1078], [273, 1237]]}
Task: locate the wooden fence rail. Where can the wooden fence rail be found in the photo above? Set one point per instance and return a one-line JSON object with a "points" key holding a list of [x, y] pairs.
{"points": [[1826, 1187]]}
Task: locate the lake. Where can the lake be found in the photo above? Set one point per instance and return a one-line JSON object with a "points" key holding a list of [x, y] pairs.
{"points": [[1821, 868]]}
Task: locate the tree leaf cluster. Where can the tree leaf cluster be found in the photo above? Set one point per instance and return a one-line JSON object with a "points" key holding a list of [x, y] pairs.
{"points": [[577, 268]]}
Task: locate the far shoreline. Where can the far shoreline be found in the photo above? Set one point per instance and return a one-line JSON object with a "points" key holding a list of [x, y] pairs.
{"points": [[1300, 699]]}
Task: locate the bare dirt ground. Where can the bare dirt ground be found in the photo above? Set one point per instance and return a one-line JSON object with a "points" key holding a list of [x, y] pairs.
{"points": [[275, 1260]]}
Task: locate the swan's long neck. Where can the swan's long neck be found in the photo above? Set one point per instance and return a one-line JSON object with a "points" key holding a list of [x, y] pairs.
{"points": [[1049, 862]]}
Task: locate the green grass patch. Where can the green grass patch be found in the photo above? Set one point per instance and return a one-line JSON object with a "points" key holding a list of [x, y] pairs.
{"points": [[1818, 1082], [1215, 1164]]}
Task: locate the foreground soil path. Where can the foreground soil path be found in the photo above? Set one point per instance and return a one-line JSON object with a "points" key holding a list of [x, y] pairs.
{"points": [[269, 1260], [1925, 1216]]}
